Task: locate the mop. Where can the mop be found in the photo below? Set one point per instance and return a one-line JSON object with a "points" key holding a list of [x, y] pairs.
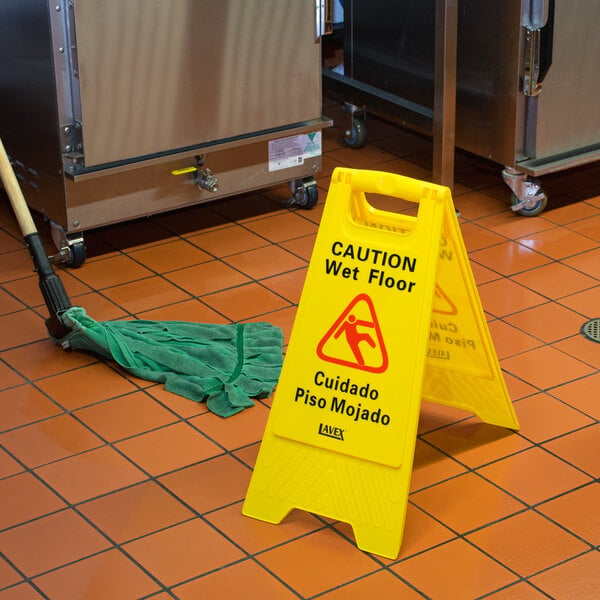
{"points": [[224, 365]]}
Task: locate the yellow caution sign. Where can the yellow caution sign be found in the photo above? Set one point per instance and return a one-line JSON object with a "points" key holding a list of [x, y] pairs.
{"points": [[462, 368], [389, 314]]}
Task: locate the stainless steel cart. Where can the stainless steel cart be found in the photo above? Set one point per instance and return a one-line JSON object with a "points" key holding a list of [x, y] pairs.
{"points": [[115, 110], [526, 79]]}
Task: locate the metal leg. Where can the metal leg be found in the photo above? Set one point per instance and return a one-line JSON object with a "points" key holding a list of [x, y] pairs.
{"points": [[444, 104]]}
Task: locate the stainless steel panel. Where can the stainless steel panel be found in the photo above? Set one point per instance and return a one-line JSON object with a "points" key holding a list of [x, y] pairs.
{"points": [[168, 74], [153, 189], [490, 106], [28, 112], [568, 111], [28, 103], [302, 128]]}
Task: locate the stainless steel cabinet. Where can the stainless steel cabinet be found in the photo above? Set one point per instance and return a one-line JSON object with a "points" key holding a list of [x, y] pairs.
{"points": [[102, 101], [527, 79]]}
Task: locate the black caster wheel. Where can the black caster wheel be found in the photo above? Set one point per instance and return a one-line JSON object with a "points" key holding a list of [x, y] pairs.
{"points": [[76, 254], [71, 247], [356, 137], [306, 192], [531, 211]]}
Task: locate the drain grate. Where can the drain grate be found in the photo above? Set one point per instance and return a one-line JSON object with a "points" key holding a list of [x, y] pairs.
{"points": [[591, 330]]}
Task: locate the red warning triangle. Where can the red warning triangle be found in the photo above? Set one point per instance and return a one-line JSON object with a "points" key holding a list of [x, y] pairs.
{"points": [[442, 304], [355, 339]]}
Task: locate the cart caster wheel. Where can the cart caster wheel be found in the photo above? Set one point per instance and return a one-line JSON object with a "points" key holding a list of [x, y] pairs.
{"points": [[76, 254], [306, 192], [356, 137], [71, 247], [537, 207]]}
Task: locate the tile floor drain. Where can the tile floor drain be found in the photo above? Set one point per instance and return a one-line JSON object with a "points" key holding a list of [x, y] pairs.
{"points": [[591, 330]]}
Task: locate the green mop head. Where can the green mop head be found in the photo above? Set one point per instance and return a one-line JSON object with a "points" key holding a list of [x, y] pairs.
{"points": [[224, 365]]}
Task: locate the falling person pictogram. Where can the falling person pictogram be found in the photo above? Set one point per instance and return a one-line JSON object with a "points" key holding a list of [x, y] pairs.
{"points": [[354, 338], [359, 340]]}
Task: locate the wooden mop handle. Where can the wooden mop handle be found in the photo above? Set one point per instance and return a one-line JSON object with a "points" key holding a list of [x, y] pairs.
{"points": [[15, 195]]}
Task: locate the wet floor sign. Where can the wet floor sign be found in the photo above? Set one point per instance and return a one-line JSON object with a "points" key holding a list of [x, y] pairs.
{"points": [[389, 314]]}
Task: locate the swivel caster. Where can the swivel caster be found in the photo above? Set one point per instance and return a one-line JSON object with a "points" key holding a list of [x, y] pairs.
{"points": [[528, 197], [356, 135], [71, 247], [305, 192]]}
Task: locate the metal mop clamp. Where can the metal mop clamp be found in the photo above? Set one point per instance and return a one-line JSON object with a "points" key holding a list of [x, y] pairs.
{"points": [[53, 291]]}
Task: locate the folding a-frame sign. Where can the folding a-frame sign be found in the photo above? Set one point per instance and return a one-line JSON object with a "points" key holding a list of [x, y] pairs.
{"points": [[389, 314]]}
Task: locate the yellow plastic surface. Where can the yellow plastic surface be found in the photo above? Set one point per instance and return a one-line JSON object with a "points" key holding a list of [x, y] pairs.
{"points": [[355, 359], [462, 368], [369, 330]]}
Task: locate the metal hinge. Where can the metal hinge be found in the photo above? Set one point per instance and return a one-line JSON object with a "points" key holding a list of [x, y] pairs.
{"points": [[323, 17], [531, 68], [538, 20], [71, 140]]}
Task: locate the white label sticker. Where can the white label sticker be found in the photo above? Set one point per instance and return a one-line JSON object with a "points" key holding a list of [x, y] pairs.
{"points": [[293, 151]]}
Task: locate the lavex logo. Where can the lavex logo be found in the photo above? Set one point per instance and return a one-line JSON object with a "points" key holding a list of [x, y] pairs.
{"points": [[333, 432]]}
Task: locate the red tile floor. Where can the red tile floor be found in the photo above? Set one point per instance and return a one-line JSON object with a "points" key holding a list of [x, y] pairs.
{"points": [[112, 488]]}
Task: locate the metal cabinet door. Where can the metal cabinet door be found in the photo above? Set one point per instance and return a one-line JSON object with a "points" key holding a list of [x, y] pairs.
{"points": [[157, 76], [567, 115]]}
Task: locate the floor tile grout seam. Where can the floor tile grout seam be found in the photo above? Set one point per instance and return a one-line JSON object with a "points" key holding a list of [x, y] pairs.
{"points": [[75, 508], [476, 471], [513, 584], [533, 508], [113, 546], [564, 561], [556, 349], [113, 446], [199, 297], [562, 458], [547, 299], [150, 479], [180, 418], [106, 443], [24, 580], [170, 492], [65, 410], [14, 370], [542, 342], [517, 240], [16, 298], [327, 527], [465, 535], [563, 403], [248, 558], [458, 535], [384, 568], [468, 468], [74, 411]]}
